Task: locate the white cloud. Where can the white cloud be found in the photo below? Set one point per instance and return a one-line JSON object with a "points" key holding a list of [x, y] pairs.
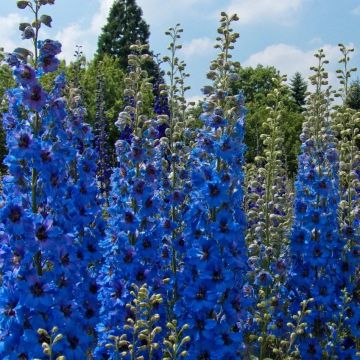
{"points": [[317, 40], [99, 19], [197, 47], [75, 34], [195, 98], [356, 10], [156, 11], [259, 11], [9, 31], [289, 59]]}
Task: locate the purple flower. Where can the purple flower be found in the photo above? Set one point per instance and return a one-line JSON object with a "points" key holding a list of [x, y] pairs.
{"points": [[25, 75], [49, 47], [35, 97], [263, 279], [49, 63]]}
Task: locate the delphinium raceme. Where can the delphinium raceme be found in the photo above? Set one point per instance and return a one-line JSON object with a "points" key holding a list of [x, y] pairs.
{"points": [[316, 247], [268, 207], [101, 129], [41, 268], [174, 152], [133, 247], [346, 125], [161, 101], [85, 205], [212, 279]]}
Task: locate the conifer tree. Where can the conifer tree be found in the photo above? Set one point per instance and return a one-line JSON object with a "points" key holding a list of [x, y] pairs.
{"points": [[125, 26], [298, 89]]}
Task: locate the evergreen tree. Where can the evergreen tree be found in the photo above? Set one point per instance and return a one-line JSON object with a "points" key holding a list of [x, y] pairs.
{"points": [[353, 98], [298, 89], [124, 27]]}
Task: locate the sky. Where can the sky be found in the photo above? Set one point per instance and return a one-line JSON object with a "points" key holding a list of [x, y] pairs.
{"points": [[282, 33]]}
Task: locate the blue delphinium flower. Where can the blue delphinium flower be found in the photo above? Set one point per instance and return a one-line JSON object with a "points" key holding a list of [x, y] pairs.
{"points": [[215, 263], [133, 246], [346, 124], [51, 230], [269, 211], [101, 130], [316, 246]]}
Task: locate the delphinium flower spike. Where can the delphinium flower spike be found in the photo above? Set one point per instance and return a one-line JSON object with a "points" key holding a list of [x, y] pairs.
{"points": [[101, 129], [269, 210], [133, 246], [213, 276], [316, 246], [346, 123], [41, 270], [174, 151]]}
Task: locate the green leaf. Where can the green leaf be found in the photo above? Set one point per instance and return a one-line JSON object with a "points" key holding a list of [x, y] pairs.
{"points": [[46, 20], [22, 4]]}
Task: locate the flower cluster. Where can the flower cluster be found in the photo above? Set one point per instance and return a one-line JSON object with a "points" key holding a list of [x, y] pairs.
{"points": [[212, 280], [269, 215], [198, 258], [48, 217], [316, 247], [101, 129], [133, 248]]}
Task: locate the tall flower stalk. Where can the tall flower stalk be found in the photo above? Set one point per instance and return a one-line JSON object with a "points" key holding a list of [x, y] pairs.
{"points": [[133, 248], [268, 207], [316, 246], [47, 252], [213, 275]]}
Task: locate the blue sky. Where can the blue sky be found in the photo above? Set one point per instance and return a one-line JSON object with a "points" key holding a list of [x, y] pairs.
{"points": [[283, 33]]}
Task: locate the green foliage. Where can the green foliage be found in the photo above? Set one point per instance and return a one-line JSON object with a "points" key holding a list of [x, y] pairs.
{"points": [[298, 87], [6, 82], [125, 26], [256, 83], [113, 78], [353, 96]]}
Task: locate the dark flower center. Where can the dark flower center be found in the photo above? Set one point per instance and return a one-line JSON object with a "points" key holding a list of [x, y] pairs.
{"points": [[66, 310], [24, 141], [129, 217], [200, 295], [214, 190], [146, 243], [37, 289], [26, 74], [41, 233], [15, 214], [73, 342], [140, 276], [35, 95], [45, 155]]}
